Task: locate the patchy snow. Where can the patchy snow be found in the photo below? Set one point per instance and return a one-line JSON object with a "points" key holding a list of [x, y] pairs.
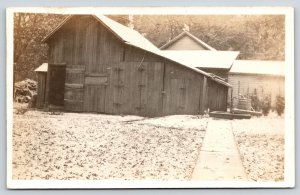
{"points": [[178, 121], [261, 145], [53, 145], [93, 146]]}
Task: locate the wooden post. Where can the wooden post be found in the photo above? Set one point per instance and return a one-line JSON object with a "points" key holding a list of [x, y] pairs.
{"points": [[47, 85], [231, 100], [203, 103], [239, 90]]}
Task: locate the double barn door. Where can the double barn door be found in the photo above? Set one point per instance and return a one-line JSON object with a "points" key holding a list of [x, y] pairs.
{"points": [[84, 92]]}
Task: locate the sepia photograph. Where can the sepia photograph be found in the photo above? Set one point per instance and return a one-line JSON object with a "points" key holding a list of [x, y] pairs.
{"points": [[150, 97]]}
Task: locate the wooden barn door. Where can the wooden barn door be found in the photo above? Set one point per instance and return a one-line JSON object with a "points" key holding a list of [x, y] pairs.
{"points": [[74, 88], [177, 96], [153, 89], [95, 92], [57, 75]]}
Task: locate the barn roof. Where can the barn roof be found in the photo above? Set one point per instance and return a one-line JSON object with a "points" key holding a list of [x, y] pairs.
{"points": [[186, 33], [134, 38], [203, 58], [42, 68], [258, 67]]}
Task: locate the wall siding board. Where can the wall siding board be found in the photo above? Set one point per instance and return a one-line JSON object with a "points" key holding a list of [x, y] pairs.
{"points": [[217, 94], [41, 90], [263, 84]]}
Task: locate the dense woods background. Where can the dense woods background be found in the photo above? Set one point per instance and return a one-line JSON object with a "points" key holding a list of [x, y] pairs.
{"points": [[260, 37]]}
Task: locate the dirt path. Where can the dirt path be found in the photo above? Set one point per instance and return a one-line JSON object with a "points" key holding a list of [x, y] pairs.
{"points": [[219, 158]]}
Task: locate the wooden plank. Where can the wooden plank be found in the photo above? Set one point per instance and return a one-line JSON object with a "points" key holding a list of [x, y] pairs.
{"points": [[91, 46], [101, 99], [75, 70], [41, 90], [76, 86], [96, 74], [90, 98], [204, 99], [95, 80], [239, 111], [227, 115]]}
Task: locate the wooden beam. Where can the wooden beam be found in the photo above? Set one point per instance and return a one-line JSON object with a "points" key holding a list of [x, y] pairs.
{"points": [[203, 103], [74, 86], [57, 64]]}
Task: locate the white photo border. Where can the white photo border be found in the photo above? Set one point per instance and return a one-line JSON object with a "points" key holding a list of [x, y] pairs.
{"points": [[289, 165]]}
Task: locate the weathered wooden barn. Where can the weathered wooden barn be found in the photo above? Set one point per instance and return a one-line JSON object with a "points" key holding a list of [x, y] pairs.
{"points": [[98, 65], [257, 76]]}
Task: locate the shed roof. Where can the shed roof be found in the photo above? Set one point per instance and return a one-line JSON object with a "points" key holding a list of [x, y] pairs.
{"points": [[258, 67], [186, 33], [42, 68], [203, 58], [134, 38]]}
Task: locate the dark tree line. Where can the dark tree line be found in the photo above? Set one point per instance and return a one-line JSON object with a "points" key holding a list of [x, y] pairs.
{"points": [[256, 37], [29, 31]]}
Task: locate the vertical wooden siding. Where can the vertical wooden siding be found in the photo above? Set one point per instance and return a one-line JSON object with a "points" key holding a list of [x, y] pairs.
{"points": [[183, 89], [217, 95], [107, 76], [41, 90]]}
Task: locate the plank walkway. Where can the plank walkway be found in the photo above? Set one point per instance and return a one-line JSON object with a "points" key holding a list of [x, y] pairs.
{"points": [[219, 158]]}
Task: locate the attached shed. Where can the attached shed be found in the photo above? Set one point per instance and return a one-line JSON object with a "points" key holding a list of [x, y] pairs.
{"points": [[257, 76], [186, 41], [213, 62], [98, 65], [41, 88]]}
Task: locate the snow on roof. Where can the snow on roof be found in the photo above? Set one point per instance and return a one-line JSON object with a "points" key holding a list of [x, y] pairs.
{"points": [[134, 38], [258, 67], [203, 58], [128, 35], [42, 68], [190, 35]]}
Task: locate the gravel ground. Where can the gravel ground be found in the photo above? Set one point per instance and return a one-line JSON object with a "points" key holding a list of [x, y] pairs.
{"points": [[261, 145], [94, 146]]}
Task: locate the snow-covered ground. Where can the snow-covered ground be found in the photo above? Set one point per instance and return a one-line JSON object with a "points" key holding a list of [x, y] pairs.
{"points": [[49, 145], [95, 146], [261, 145]]}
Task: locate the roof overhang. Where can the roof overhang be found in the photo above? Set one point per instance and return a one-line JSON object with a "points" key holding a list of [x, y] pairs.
{"points": [[42, 68]]}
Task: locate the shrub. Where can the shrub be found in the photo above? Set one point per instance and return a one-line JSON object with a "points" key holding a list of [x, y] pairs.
{"points": [[255, 103], [266, 105], [280, 105]]}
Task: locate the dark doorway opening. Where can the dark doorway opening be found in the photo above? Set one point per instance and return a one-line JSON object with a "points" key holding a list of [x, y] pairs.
{"points": [[57, 73]]}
